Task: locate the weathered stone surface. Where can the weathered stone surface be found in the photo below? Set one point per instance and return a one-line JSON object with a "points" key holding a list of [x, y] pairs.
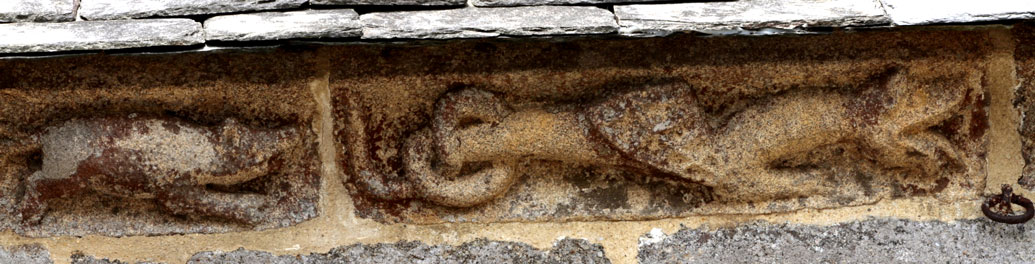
{"points": [[309, 24], [917, 12], [37, 10], [614, 130], [1025, 99], [575, 251], [126, 9], [488, 22], [867, 241], [27, 254], [391, 2], [157, 144], [731, 17], [169, 160], [98, 35], [80, 258]]}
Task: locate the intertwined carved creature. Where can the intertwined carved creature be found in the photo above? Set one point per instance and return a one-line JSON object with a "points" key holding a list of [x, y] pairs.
{"points": [[168, 160], [662, 128]]}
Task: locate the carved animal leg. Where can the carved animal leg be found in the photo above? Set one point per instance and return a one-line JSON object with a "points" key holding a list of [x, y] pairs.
{"points": [[933, 147], [39, 190], [913, 114], [197, 201]]}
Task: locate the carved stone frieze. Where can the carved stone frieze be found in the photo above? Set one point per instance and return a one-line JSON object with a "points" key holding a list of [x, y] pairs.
{"points": [[651, 128], [144, 145]]}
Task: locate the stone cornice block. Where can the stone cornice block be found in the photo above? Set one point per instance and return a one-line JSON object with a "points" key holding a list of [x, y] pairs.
{"points": [[488, 22], [918, 12], [36, 10], [98, 35], [732, 17], [125, 9], [308, 24]]}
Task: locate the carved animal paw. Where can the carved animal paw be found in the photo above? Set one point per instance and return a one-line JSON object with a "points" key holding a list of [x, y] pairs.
{"points": [[32, 207], [32, 210]]}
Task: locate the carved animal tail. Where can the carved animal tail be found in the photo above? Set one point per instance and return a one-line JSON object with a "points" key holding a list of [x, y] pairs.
{"points": [[463, 191], [359, 161]]}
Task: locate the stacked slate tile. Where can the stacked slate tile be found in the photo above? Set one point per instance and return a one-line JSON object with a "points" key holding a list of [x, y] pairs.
{"points": [[45, 26]]}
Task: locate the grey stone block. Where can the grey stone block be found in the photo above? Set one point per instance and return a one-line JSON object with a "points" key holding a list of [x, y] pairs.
{"points": [[80, 258], [391, 2], [488, 22], [27, 254], [37, 10], [867, 241], [125, 9], [732, 17], [553, 2], [917, 12], [98, 35], [575, 251], [340, 23]]}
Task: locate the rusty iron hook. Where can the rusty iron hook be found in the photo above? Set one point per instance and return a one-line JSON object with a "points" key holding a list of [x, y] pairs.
{"points": [[1002, 204]]}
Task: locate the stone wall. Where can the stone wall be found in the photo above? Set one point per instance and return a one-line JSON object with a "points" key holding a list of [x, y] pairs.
{"points": [[513, 131], [651, 150]]}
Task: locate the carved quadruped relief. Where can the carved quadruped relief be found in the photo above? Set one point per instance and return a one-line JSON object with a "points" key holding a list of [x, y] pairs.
{"points": [[151, 153], [646, 129], [661, 129], [171, 161]]}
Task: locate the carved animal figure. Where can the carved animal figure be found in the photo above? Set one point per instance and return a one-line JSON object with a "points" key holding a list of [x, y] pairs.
{"points": [[663, 128], [168, 160]]}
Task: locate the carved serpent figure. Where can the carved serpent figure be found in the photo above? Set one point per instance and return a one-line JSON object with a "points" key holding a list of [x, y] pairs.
{"points": [[168, 160], [662, 128]]}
